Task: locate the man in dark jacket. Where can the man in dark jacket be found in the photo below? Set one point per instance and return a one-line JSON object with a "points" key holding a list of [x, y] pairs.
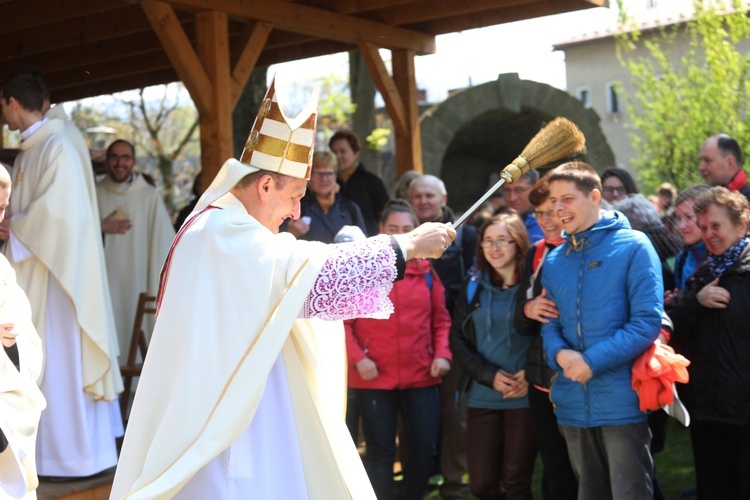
{"points": [[428, 198], [606, 282]]}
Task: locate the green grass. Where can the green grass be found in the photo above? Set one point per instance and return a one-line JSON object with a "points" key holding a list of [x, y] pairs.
{"points": [[674, 465]]}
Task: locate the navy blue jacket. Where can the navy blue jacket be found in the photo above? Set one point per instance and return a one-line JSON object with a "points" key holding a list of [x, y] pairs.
{"points": [[607, 284]]}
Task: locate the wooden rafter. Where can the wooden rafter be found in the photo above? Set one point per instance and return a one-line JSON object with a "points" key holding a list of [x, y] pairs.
{"points": [[248, 59], [386, 86], [321, 23], [177, 46]]}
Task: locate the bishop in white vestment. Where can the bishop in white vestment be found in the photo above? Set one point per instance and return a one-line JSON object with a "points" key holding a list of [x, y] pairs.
{"points": [[242, 392]]}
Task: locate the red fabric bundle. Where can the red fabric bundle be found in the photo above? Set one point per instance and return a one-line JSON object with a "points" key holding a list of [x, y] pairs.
{"points": [[654, 373]]}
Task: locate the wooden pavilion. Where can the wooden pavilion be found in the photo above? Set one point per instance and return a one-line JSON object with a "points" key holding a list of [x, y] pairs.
{"points": [[93, 47]]}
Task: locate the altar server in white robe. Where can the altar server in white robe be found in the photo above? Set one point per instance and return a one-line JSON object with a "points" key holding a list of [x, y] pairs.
{"points": [[55, 248], [21, 401], [242, 392], [137, 236]]}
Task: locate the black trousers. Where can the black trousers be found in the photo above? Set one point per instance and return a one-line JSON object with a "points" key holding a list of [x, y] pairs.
{"points": [[722, 460]]}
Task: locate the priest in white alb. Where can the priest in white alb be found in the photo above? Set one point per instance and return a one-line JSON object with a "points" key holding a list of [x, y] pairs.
{"points": [[54, 245], [137, 235], [242, 392], [21, 401]]}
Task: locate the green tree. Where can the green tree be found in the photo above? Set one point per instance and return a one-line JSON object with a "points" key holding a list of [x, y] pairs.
{"points": [[681, 99]]}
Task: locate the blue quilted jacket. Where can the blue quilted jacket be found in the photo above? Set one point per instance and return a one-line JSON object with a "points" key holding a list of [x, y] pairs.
{"points": [[607, 284]]}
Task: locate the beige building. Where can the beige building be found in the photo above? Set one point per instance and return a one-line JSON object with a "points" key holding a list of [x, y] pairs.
{"points": [[593, 69]]}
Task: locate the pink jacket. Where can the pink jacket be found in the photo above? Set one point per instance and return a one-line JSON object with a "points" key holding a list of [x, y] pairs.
{"points": [[404, 345]]}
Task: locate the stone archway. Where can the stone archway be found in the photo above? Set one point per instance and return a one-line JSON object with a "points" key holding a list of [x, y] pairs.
{"points": [[471, 136]]}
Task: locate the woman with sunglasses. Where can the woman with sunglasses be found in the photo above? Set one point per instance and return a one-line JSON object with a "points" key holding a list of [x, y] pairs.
{"points": [[500, 447]]}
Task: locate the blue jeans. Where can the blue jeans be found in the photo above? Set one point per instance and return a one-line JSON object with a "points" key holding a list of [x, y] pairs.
{"points": [[611, 462], [420, 412]]}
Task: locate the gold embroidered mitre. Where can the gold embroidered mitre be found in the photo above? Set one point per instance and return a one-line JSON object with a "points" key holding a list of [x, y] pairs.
{"points": [[282, 145]]}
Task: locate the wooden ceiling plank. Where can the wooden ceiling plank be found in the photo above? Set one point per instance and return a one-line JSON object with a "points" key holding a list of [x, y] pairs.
{"points": [[107, 70], [179, 50], [428, 10], [249, 58], [72, 34], [356, 6], [321, 23], [304, 51], [21, 17], [386, 86]]}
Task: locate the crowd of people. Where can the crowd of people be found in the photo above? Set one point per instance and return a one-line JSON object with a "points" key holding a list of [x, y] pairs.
{"points": [[470, 350]]}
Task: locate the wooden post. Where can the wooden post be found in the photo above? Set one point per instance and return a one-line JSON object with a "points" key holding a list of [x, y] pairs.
{"points": [[408, 144], [216, 123]]}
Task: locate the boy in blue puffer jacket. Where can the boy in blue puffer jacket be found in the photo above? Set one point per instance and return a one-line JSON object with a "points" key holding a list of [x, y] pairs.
{"points": [[607, 285]]}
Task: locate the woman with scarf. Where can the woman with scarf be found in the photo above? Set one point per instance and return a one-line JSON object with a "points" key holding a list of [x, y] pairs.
{"points": [[500, 448], [710, 314], [532, 309]]}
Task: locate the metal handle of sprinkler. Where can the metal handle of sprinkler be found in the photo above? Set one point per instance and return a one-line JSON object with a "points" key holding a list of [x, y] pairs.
{"points": [[515, 170]]}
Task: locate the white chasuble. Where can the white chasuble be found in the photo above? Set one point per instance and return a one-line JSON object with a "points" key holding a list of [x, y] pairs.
{"points": [[21, 401], [134, 259], [55, 248]]}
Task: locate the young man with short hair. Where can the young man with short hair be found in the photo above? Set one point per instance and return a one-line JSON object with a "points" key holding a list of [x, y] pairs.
{"points": [[606, 282]]}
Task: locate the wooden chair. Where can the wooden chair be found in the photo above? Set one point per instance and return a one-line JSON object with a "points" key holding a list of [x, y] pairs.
{"points": [[131, 368]]}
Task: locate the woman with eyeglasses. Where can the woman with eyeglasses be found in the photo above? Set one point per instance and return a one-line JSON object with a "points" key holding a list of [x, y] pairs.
{"points": [[617, 184], [533, 308], [500, 446], [323, 211]]}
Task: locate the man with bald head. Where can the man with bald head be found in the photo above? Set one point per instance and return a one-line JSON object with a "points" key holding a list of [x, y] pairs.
{"points": [[429, 198], [721, 164]]}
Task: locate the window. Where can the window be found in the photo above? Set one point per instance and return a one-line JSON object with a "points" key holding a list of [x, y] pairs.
{"points": [[613, 101], [584, 95]]}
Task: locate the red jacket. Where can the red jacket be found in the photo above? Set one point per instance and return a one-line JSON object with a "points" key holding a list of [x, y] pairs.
{"points": [[404, 345]]}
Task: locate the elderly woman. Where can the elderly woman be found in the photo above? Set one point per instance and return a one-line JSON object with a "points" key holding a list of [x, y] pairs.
{"points": [[710, 314], [323, 211]]}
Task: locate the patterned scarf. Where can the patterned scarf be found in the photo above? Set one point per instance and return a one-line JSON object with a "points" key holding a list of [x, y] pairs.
{"points": [[720, 263]]}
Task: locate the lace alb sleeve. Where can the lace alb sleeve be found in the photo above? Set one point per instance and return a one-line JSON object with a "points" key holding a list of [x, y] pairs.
{"points": [[354, 282]]}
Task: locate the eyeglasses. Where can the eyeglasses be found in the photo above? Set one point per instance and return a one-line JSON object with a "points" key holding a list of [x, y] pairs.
{"points": [[612, 190], [323, 174], [120, 157], [487, 244], [548, 214]]}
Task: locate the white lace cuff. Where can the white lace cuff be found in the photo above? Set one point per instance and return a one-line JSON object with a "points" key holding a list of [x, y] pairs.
{"points": [[354, 282]]}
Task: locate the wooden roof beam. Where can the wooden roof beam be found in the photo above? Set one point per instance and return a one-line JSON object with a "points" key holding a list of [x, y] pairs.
{"points": [[321, 23], [179, 50], [492, 17], [119, 84]]}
